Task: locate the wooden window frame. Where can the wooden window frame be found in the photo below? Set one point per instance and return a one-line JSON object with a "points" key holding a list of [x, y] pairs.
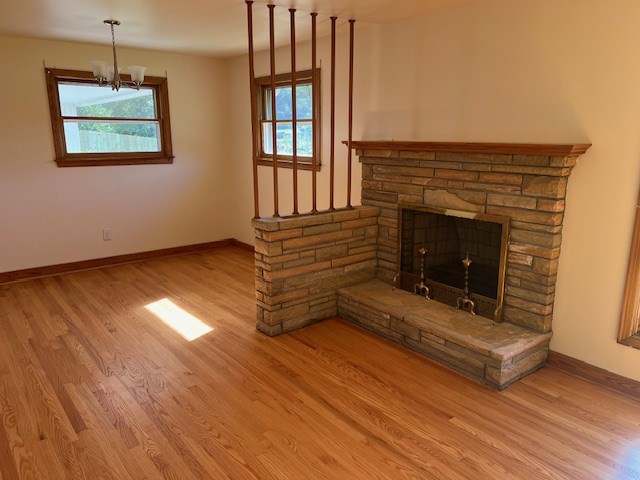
{"points": [[628, 333], [66, 159], [261, 85]]}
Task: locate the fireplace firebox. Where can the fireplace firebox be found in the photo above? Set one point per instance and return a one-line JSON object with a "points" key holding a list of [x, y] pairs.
{"points": [[434, 243]]}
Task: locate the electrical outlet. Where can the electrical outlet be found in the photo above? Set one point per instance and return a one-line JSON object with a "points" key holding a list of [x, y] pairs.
{"points": [[106, 234]]}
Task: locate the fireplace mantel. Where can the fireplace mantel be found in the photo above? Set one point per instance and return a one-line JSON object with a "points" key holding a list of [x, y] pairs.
{"points": [[559, 150]]}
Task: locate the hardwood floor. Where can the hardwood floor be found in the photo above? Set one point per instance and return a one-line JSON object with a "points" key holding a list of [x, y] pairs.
{"points": [[93, 385]]}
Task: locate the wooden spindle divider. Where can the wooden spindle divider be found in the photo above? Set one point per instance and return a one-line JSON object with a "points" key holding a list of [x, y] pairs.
{"points": [[294, 110], [349, 166], [332, 166], [256, 129], [314, 120], [254, 114], [274, 124]]}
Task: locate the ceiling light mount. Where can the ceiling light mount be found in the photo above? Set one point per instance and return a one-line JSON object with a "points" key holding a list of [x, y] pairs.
{"points": [[110, 75]]}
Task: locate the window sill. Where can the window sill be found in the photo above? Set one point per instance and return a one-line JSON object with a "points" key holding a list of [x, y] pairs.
{"points": [[109, 161], [288, 164], [632, 341]]}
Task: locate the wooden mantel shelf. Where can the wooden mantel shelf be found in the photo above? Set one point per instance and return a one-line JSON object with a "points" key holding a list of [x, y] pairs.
{"points": [[463, 147]]}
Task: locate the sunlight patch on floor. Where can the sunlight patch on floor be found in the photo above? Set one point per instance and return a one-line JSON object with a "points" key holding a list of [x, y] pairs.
{"points": [[178, 319], [630, 459]]}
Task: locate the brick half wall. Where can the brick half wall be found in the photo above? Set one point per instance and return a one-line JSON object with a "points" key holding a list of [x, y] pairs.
{"points": [[302, 261]]}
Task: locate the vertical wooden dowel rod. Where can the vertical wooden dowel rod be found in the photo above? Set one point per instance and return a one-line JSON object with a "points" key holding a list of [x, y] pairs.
{"points": [[351, 41], [333, 114], [314, 117], [274, 139], [254, 115], [294, 110]]}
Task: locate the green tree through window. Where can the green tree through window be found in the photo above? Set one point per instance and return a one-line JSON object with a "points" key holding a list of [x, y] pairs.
{"points": [[138, 107]]}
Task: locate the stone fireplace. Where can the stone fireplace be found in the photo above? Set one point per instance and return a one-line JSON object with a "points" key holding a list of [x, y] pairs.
{"points": [[344, 262], [525, 186]]}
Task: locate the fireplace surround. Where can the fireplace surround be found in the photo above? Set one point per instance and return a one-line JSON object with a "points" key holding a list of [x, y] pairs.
{"points": [[344, 262]]}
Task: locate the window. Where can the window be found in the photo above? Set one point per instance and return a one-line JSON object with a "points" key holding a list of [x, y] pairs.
{"points": [[307, 100], [95, 125], [629, 333]]}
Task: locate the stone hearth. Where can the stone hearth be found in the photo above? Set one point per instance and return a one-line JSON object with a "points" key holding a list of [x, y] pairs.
{"points": [[496, 354]]}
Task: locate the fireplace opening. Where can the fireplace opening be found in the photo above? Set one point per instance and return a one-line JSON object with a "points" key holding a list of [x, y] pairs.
{"points": [[435, 245]]}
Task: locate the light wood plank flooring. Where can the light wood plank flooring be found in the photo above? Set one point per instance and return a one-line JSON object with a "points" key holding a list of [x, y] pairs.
{"points": [[94, 386]]}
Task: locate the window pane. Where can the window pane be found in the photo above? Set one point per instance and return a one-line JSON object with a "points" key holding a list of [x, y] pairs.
{"points": [[285, 138], [111, 137], [284, 102], [305, 139], [303, 101], [85, 100]]}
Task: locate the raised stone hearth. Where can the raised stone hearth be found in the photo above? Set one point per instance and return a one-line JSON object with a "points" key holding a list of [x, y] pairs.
{"points": [[496, 354]]}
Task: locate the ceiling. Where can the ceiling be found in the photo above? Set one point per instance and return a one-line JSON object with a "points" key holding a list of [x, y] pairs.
{"points": [[206, 27]]}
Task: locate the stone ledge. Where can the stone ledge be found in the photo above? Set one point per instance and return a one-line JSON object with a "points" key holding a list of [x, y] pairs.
{"points": [[496, 354], [272, 224]]}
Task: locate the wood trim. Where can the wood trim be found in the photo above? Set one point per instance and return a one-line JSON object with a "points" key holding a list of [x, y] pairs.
{"points": [[49, 270], [65, 159], [110, 161], [264, 162], [286, 161], [632, 341], [245, 246], [630, 315], [302, 76], [594, 375], [464, 147], [165, 118], [78, 118]]}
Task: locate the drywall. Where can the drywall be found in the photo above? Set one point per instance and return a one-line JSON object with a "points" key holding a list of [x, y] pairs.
{"points": [[546, 71], [53, 215], [509, 71]]}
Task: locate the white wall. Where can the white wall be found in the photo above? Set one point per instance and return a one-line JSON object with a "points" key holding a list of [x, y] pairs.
{"points": [[53, 215], [550, 71]]}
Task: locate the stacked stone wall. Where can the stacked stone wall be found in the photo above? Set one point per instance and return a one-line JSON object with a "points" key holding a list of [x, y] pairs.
{"points": [[529, 189], [302, 261]]}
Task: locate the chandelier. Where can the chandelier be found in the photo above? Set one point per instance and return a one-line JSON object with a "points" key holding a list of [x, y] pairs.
{"points": [[110, 75]]}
